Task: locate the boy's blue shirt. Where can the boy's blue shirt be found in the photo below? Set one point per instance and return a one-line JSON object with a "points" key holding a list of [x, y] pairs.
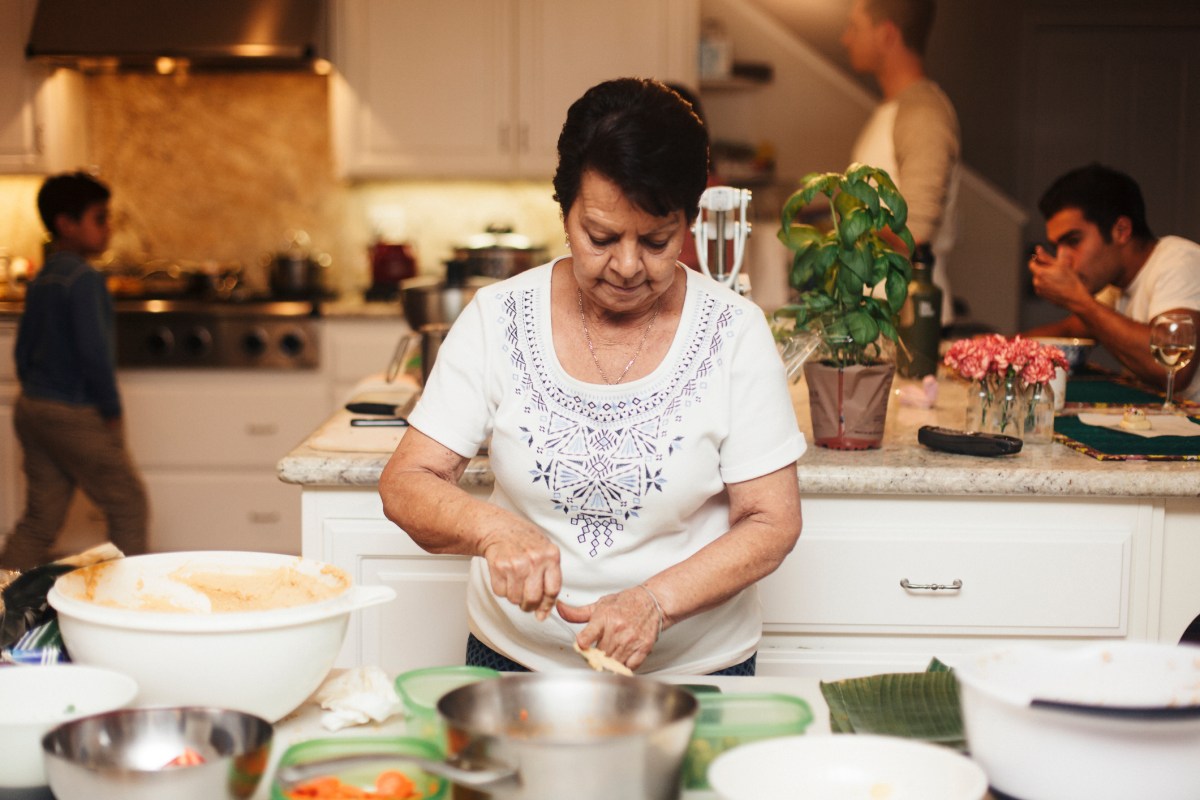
{"points": [[66, 341]]}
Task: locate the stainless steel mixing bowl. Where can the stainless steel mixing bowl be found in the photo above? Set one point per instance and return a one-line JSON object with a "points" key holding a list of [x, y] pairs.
{"points": [[126, 755]]}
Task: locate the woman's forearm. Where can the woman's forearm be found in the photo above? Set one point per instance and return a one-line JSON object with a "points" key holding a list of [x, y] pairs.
{"points": [[761, 536], [435, 513], [420, 493]]}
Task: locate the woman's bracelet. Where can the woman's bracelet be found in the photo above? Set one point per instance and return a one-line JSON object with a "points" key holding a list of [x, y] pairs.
{"points": [[657, 607]]}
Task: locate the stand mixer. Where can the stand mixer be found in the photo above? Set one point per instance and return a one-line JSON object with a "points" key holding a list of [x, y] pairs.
{"points": [[723, 218]]}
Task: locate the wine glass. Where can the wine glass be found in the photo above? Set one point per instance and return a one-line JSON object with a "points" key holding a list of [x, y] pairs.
{"points": [[1173, 343]]}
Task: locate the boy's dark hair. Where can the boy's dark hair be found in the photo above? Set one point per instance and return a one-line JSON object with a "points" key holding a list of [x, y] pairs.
{"points": [[643, 137], [1102, 195], [69, 193], [913, 18]]}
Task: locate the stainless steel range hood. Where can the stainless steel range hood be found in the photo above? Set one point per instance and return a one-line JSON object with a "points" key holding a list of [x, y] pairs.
{"points": [[203, 34]]}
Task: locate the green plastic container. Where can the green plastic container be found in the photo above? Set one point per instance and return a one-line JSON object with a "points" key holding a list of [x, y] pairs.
{"points": [[363, 776], [420, 690], [728, 720]]}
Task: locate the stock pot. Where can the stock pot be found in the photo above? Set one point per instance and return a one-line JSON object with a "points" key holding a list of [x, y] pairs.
{"points": [[576, 734], [499, 253]]}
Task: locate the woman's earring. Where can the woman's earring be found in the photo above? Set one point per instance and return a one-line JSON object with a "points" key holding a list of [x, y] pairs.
{"points": [[567, 239]]}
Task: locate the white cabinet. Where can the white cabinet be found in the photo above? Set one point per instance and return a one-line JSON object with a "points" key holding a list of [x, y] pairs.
{"points": [[207, 442], [1033, 568], [355, 348], [41, 113], [426, 625], [1046, 569], [480, 88]]}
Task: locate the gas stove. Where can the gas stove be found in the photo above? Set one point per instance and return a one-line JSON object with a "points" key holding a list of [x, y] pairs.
{"points": [[248, 333]]}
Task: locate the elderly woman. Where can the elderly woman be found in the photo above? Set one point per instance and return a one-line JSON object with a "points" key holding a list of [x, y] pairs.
{"points": [[642, 436]]}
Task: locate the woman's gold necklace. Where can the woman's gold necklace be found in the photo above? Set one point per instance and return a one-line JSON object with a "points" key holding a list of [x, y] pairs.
{"points": [[587, 336]]}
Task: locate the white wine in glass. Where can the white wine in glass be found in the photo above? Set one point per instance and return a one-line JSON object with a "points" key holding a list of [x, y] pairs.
{"points": [[1173, 344]]}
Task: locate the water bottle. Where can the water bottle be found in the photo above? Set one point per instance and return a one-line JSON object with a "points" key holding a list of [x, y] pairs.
{"points": [[920, 319]]}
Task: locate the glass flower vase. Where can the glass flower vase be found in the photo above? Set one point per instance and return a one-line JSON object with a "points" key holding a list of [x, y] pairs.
{"points": [[1038, 427], [996, 404]]}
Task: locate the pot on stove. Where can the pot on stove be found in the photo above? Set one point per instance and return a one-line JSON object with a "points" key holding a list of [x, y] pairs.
{"points": [[295, 272], [432, 300], [499, 253]]}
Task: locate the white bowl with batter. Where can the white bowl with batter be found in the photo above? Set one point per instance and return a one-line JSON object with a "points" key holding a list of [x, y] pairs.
{"points": [[255, 632]]}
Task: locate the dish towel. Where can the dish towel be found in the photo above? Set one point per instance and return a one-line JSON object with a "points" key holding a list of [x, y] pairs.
{"points": [[356, 697]]}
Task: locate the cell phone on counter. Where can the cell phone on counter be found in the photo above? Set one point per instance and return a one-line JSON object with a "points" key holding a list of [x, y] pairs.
{"points": [[379, 422], [969, 443]]}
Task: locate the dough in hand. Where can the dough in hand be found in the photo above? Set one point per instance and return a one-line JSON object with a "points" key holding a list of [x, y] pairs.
{"points": [[601, 661]]}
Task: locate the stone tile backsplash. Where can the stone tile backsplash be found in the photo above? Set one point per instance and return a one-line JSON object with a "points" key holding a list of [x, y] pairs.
{"points": [[212, 167]]}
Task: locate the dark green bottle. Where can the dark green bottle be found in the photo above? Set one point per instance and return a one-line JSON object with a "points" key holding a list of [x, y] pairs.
{"points": [[920, 319]]}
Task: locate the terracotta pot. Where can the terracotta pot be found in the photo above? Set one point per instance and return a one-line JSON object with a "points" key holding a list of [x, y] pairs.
{"points": [[848, 405]]}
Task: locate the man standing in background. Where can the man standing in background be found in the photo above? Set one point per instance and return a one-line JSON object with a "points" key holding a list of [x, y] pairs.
{"points": [[913, 134]]}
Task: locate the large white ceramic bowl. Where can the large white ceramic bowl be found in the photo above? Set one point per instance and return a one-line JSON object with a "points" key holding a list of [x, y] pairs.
{"points": [[34, 699], [845, 767], [264, 662], [1131, 729]]}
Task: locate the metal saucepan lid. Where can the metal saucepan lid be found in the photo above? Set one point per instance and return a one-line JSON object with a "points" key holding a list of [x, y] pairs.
{"points": [[499, 236]]}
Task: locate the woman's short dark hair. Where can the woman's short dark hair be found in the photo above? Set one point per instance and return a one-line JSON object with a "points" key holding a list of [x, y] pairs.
{"points": [[70, 193], [1102, 195], [643, 137]]}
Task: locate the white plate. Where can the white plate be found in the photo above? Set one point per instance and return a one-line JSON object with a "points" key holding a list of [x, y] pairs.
{"points": [[845, 767]]}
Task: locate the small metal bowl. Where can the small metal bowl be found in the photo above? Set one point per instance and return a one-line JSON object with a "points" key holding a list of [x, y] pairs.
{"points": [[127, 755], [1076, 350]]}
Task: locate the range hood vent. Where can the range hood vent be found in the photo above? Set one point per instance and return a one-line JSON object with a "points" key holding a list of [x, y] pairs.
{"points": [[209, 34]]}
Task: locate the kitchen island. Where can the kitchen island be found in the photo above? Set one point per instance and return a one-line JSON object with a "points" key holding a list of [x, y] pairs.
{"points": [[906, 552]]}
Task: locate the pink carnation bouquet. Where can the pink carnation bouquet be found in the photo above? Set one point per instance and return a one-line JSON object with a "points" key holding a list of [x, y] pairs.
{"points": [[1009, 373], [1018, 357]]}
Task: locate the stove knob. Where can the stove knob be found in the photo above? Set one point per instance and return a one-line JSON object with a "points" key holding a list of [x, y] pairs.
{"points": [[254, 342], [197, 343], [160, 342], [292, 343]]}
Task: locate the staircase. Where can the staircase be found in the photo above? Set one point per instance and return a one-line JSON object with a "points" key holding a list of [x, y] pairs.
{"points": [[811, 113]]}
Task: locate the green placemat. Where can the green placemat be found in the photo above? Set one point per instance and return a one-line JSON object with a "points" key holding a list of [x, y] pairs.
{"points": [[1115, 445], [1109, 391]]}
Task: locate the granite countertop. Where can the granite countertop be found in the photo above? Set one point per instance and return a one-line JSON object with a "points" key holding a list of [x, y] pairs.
{"points": [[901, 466], [342, 308]]}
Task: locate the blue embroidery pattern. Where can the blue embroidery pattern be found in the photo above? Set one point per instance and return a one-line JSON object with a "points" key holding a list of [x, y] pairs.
{"points": [[599, 457]]}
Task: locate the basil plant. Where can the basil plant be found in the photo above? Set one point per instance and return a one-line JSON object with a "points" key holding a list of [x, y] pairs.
{"points": [[837, 264]]}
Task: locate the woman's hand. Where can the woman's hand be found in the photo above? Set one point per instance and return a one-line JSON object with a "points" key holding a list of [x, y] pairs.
{"points": [[624, 625], [524, 567]]}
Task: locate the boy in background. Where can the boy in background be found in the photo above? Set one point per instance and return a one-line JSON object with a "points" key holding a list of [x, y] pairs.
{"points": [[68, 415]]}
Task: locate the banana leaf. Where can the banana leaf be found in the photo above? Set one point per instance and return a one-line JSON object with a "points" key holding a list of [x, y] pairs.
{"points": [[917, 705]]}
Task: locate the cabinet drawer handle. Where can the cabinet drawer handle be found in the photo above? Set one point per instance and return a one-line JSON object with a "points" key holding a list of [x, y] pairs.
{"points": [[263, 517], [262, 428], [932, 587]]}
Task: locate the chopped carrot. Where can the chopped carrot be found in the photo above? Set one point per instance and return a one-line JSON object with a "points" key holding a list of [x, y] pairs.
{"points": [[389, 785], [188, 758]]}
